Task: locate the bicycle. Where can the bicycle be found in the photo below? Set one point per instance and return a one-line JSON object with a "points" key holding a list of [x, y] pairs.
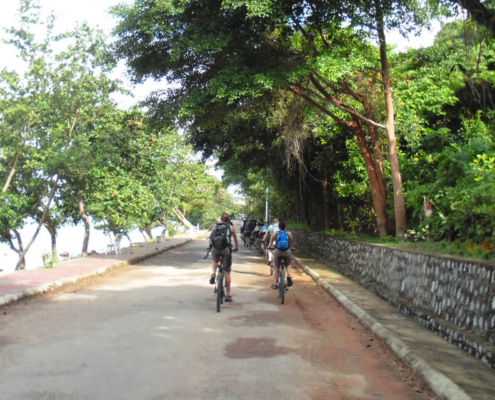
{"points": [[261, 246], [251, 240], [282, 284], [220, 288], [247, 239]]}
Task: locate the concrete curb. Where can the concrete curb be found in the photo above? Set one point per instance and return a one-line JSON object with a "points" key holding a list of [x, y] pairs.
{"points": [[440, 384], [4, 300]]}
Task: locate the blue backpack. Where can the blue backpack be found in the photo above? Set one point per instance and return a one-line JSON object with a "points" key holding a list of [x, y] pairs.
{"points": [[282, 239]]}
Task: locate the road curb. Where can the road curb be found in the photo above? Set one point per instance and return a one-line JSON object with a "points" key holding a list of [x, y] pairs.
{"points": [[440, 384], [11, 298]]}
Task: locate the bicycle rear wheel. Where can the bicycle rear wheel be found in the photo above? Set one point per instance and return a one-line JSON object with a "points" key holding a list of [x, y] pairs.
{"points": [[219, 290], [281, 285]]}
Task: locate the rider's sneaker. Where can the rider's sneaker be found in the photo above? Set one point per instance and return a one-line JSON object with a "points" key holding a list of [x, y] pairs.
{"points": [[289, 281], [212, 279]]}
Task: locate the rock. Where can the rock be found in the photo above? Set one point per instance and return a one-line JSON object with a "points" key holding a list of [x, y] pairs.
{"points": [[64, 254]]}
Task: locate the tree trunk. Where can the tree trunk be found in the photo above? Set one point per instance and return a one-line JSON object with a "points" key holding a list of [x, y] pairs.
{"points": [[145, 235], [21, 262], [326, 202], [400, 210], [183, 219], [377, 158], [87, 223], [377, 153], [164, 222], [53, 236], [16, 160], [22, 254], [379, 198], [377, 188], [147, 228]]}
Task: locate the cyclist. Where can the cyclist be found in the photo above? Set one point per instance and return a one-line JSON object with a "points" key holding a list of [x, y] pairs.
{"points": [[257, 229], [271, 229], [263, 231], [277, 241], [221, 245], [251, 224]]}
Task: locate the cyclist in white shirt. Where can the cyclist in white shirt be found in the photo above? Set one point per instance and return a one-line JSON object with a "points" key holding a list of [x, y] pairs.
{"points": [[271, 229]]}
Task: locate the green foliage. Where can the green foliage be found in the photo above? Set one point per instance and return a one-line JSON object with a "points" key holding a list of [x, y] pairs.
{"points": [[61, 133], [247, 72]]}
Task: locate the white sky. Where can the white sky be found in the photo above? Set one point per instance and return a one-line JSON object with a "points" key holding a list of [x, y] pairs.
{"points": [[96, 13], [68, 13]]}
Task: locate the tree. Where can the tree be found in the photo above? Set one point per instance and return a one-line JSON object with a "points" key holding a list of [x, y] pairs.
{"points": [[243, 50]]}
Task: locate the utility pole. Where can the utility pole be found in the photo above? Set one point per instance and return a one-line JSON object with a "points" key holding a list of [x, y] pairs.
{"points": [[266, 206]]}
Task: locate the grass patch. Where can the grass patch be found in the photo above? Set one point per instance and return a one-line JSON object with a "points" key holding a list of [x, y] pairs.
{"points": [[464, 249]]}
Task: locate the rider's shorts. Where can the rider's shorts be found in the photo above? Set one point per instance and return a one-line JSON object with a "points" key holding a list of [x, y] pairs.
{"points": [[279, 254], [227, 257]]}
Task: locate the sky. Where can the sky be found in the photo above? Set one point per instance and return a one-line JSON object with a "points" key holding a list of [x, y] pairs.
{"points": [[69, 13], [96, 13]]}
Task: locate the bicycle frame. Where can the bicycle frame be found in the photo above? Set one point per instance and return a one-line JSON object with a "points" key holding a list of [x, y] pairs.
{"points": [[219, 290], [281, 283]]}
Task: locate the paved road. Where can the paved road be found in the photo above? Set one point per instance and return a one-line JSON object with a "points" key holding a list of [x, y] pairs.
{"points": [[152, 332]]}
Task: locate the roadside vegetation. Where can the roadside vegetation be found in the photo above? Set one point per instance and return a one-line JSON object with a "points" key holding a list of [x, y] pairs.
{"points": [[69, 155], [306, 98]]}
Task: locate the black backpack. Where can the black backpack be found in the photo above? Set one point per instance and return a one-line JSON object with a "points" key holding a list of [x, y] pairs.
{"points": [[220, 237]]}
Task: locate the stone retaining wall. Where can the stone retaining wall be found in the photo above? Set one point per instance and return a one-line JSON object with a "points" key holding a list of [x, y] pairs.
{"points": [[451, 296]]}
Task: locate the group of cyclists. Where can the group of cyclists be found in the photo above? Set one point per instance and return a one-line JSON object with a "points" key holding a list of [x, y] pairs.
{"points": [[274, 237]]}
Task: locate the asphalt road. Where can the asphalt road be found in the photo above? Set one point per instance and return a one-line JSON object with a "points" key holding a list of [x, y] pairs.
{"points": [[152, 332]]}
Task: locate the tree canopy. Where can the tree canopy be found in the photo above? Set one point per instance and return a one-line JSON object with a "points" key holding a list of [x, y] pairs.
{"points": [[306, 97], [68, 154]]}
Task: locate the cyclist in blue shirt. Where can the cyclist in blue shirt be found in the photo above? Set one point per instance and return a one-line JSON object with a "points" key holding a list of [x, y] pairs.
{"points": [[280, 251]]}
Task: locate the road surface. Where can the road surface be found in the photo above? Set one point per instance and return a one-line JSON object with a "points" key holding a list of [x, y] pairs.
{"points": [[152, 332]]}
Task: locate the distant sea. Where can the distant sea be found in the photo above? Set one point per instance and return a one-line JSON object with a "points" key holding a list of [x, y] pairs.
{"points": [[69, 239]]}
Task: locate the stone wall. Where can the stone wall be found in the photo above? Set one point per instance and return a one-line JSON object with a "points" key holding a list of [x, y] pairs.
{"points": [[451, 296]]}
